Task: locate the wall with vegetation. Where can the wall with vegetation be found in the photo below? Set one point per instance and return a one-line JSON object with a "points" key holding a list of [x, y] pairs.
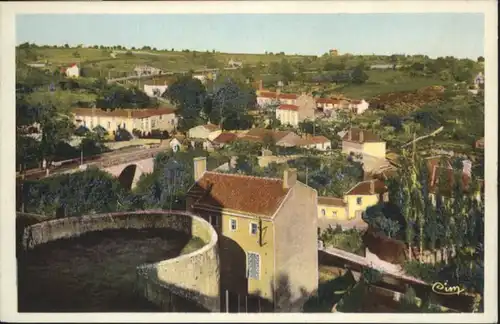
{"points": [[194, 276]]}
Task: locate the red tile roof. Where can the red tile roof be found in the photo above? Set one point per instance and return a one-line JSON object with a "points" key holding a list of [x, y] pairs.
{"points": [[224, 138], [327, 101], [437, 166], [119, 112], [268, 94], [211, 127], [370, 187], [288, 107], [258, 134], [288, 96], [314, 140], [241, 193], [331, 201], [355, 133]]}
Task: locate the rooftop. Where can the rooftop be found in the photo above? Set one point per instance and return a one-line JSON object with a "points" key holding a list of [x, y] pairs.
{"points": [[361, 136], [370, 187], [134, 113], [258, 134], [331, 201], [288, 107], [224, 138], [314, 140], [247, 194]]}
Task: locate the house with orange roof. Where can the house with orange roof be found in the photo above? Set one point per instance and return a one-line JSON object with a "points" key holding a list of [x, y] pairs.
{"points": [[364, 142], [348, 210], [143, 120], [280, 138], [224, 139], [442, 176], [265, 97], [303, 109], [320, 143], [267, 237]]}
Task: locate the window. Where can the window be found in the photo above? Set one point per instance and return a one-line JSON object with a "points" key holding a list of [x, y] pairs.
{"points": [[323, 213], [232, 224], [160, 117], [334, 214], [109, 125], [253, 265], [359, 200], [153, 123], [253, 228]]}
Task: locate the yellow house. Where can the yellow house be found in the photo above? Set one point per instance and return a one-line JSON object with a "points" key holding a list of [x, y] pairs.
{"points": [[332, 208], [348, 211], [267, 236], [357, 141], [144, 120], [363, 195]]}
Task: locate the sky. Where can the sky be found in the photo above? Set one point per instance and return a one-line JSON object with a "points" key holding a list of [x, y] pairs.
{"points": [[433, 34]]}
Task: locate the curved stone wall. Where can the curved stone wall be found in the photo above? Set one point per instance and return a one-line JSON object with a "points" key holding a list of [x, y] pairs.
{"points": [[194, 276]]}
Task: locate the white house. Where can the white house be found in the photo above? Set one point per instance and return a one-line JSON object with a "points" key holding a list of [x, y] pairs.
{"points": [[200, 77], [176, 143], [316, 142], [358, 106], [208, 131], [147, 70], [73, 71], [232, 63], [267, 97], [288, 115], [155, 90]]}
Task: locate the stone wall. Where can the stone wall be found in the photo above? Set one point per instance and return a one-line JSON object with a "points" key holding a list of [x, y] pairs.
{"points": [[194, 276]]}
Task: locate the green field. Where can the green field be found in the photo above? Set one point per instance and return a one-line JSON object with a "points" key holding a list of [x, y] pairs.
{"points": [[379, 82]]}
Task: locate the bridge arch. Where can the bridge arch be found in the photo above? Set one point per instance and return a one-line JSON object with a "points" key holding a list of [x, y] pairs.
{"points": [[130, 175], [130, 172]]}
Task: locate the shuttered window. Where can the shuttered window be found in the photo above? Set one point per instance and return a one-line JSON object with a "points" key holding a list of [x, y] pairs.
{"points": [[253, 265]]}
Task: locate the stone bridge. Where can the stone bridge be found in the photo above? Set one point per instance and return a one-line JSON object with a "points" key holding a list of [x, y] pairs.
{"points": [[129, 173], [127, 167]]}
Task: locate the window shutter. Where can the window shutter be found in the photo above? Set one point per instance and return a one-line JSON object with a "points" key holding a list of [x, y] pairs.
{"points": [[253, 265]]}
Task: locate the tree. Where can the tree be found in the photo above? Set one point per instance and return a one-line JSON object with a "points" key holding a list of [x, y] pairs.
{"points": [[358, 76], [231, 101], [286, 71], [189, 95], [55, 122], [480, 59]]}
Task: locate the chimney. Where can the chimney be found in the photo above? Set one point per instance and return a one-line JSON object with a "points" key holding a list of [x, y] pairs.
{"points": [[261, 86], [361, 137], [289, 178], [372, 186], [200, 166]]}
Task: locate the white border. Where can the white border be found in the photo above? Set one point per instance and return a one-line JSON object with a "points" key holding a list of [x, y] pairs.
{"points": [[8, 10]]}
